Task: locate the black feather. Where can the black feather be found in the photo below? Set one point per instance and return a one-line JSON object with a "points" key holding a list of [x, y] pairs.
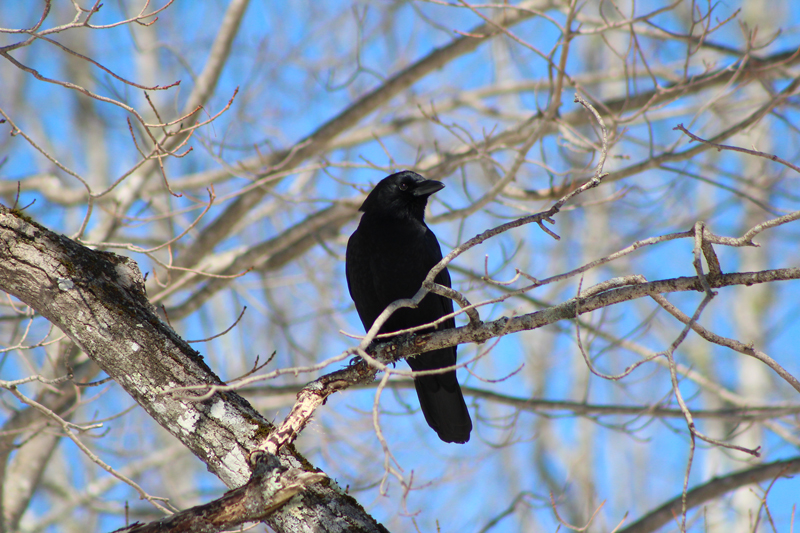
{"points": [[388, 257]]}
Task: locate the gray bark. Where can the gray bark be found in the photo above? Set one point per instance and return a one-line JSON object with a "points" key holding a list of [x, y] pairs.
{"points": [[98, 300]]}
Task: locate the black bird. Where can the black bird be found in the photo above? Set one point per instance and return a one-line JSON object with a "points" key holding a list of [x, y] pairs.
{"points": [[388, 257]]}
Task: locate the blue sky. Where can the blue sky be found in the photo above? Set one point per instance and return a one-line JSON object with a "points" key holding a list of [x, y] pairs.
{"points": [[284, 96]]}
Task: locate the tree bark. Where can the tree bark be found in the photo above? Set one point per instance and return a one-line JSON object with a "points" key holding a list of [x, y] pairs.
{"points": [[98, 300]]}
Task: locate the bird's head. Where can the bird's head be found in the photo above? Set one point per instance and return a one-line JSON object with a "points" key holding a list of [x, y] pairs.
{"points": [[402, 194]]}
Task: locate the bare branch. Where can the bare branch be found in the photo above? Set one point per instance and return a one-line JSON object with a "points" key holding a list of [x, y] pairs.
{"points": [[711, 490]]}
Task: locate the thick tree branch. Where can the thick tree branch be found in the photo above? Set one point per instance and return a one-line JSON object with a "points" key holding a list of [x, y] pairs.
{"points": [[270, 487], [98, 300]]}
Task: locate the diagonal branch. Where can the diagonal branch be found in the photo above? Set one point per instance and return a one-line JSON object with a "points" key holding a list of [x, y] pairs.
{"points": [[711, 490], [270, 487], [315, 393], [105, 311]]}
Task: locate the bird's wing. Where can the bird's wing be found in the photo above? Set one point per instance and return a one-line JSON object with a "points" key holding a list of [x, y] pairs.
{"points": [[360, 277]]}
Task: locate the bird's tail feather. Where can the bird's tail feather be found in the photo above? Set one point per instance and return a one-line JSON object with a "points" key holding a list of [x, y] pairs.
{"points": [[444, 407]]}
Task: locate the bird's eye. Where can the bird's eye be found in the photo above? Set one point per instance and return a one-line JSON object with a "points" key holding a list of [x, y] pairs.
{"points": [[403, 186]]}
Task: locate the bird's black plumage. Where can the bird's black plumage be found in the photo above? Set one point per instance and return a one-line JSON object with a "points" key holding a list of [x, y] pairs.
{"points": [[388, 257]]}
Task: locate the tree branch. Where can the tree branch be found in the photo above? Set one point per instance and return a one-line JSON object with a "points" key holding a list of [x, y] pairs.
{"points": [[98, 300], [711, 490], [270, 487]]}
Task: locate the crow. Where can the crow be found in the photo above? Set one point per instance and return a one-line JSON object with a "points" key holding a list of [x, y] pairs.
{"points": [[388, 257]]}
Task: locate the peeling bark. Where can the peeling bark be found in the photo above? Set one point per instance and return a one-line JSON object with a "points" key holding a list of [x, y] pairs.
{"points": [[98, 300]]}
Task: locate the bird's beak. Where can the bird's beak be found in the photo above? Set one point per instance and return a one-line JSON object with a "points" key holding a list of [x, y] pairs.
{"points": [[427, 187]]}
